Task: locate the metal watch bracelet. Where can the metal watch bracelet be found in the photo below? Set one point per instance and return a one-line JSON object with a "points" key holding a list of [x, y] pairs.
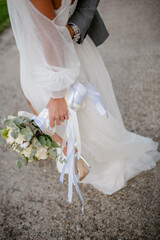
{"points": [[76, 31]]}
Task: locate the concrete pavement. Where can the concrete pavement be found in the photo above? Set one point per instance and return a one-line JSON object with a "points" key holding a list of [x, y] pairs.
{"points": [[33, 202]]}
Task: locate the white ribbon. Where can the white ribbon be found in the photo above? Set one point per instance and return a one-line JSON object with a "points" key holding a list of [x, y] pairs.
{"points": [[42, 120], [76, 94], [74, 98]]}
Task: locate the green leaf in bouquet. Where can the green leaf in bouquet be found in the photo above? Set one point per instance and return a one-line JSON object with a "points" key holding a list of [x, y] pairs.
{"points": [[48, 142], [2, 120], [24, 159], [27, 133], [4, 133], [18, 121], [35, 159], [25, 121], [32, 155], [42, 140], [18, 147], [15, 132], [54, 144], [9, 123], [52, 153], [49, 137], [34, 123], [19, 164], [35, 130], [36, 143], [32, 126], [62, 160]]}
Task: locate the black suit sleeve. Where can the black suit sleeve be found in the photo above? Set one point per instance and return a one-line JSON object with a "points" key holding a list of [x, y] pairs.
{"points": [[83, 15]]}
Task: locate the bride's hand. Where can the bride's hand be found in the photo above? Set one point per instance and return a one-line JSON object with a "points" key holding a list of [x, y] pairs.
{"points": [[58, 110]]}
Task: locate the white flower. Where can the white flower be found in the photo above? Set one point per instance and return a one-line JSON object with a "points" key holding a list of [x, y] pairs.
{"points": [[24, 144], [27, 151], [20, 139], [30, 160], [59, 150], [14, 146], [10, 139], [17, 150], [11, 117], [42, 153]]}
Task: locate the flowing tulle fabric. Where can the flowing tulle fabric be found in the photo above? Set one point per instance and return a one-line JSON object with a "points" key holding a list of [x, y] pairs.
{"points": [[115, 154], [47, 55], [50, 61]]}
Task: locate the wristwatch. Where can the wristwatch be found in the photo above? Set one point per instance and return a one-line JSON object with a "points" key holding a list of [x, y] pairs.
{"points": [[77, 32]]}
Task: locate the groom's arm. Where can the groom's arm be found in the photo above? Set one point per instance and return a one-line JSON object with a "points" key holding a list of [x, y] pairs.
{"points": [[83, 16]]}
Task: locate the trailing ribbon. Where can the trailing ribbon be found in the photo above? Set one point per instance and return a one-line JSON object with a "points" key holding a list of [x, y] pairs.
{"points": [[76, 94]]}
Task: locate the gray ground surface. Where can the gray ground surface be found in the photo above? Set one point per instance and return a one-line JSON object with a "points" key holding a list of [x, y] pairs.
{"points": [[33, 202]]}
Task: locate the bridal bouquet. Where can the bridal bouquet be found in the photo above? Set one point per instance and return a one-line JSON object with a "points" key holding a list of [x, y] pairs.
{"points": [[26, 138]]}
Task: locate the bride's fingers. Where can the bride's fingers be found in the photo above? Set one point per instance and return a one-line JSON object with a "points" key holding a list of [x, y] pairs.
{"points": [[66, 116], [62, 118], [57, 121], [51, 122]]}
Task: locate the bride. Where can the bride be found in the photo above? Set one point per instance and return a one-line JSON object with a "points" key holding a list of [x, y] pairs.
{"points": [[50, 63]]}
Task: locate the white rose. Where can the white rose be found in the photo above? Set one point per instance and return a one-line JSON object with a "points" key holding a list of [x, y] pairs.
{"points": [[11, 117], [30, 160], [42, 153], [59, 150], [14, 146], [27, 151], [24, 145], [10, 139], [17, 150], [20, 139]]}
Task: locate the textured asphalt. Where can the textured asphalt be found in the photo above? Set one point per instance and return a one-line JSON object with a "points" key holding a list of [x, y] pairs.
{"points": [[33, 202]]}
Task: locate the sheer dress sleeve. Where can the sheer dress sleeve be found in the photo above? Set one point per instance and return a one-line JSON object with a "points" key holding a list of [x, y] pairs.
{"points": [[45, 46]]}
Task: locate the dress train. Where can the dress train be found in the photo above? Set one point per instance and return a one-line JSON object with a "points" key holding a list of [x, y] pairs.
{"points": [[114, 153]]}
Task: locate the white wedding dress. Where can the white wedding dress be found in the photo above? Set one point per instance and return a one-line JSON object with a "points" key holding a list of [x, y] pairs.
{"points": [[115, 154]]}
